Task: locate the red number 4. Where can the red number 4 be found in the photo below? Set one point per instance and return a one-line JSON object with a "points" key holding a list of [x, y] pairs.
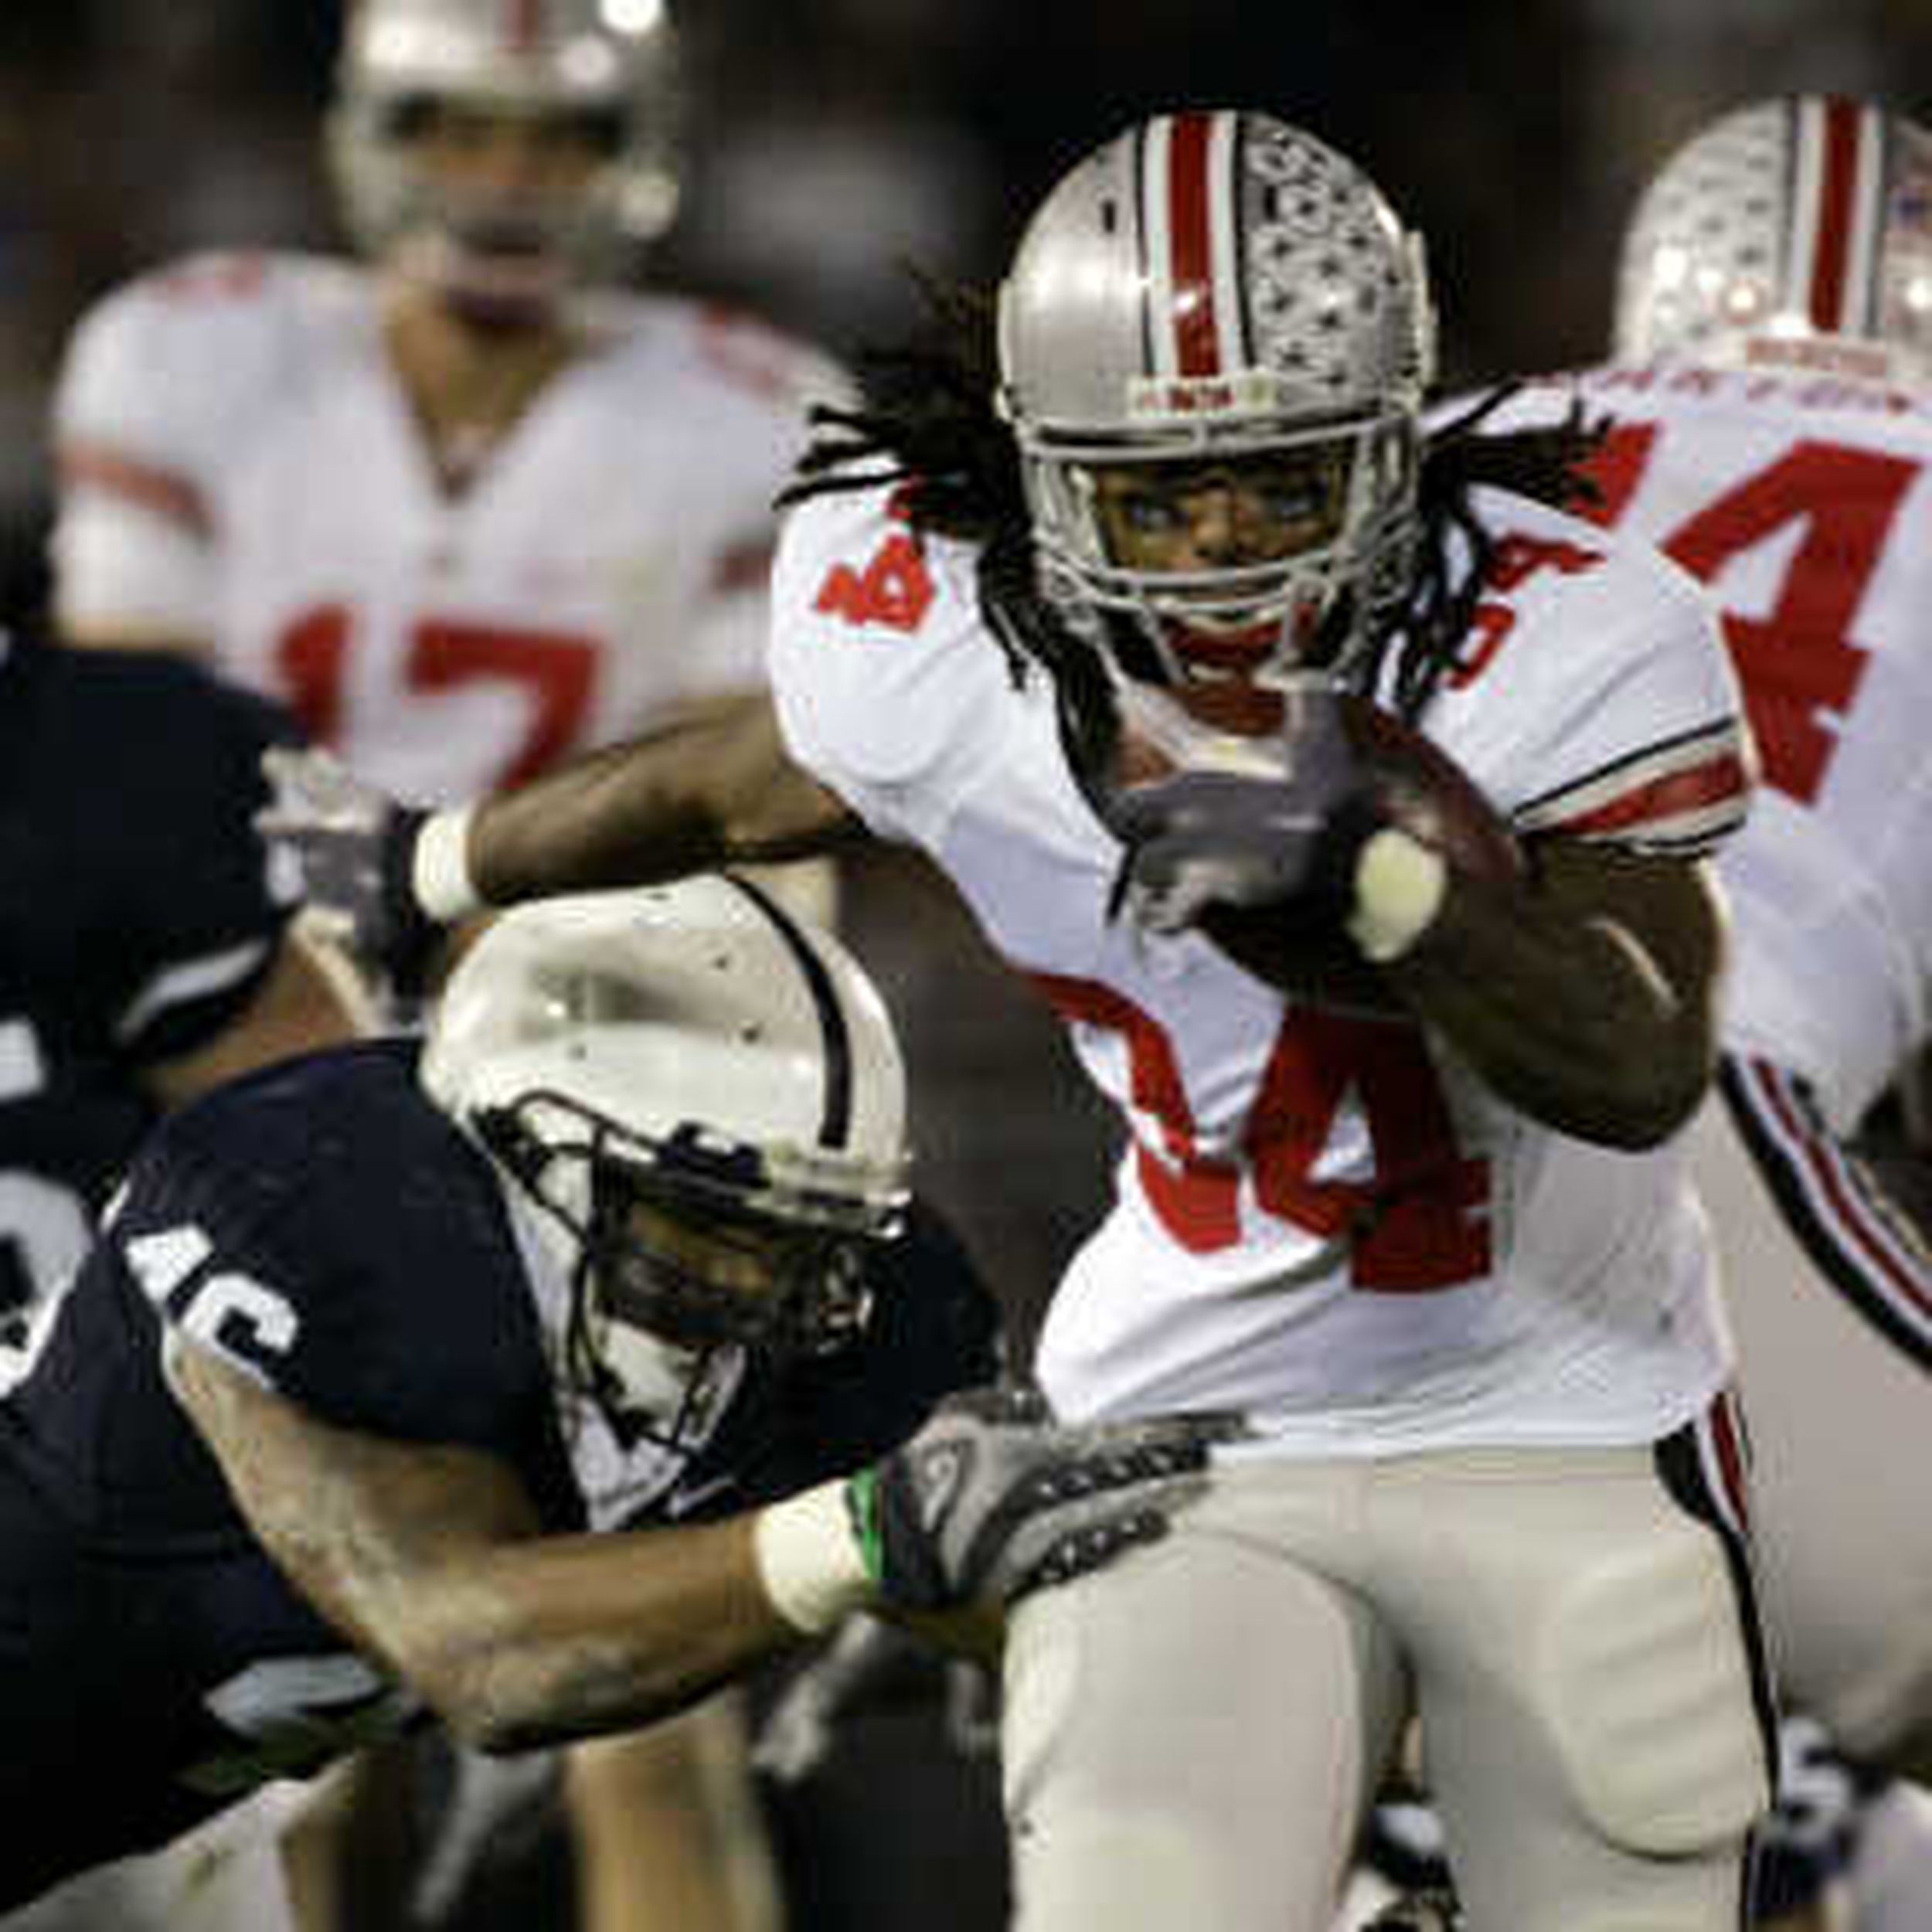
{"points": [[895, 589], [1798, 662]]}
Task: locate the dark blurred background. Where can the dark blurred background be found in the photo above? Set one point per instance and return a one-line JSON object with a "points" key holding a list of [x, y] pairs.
{"points": [[833, 141]]}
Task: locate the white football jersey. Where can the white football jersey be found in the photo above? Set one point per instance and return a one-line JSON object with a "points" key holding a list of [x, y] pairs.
{"points": [[239, 465], [1805, 504], [1321, 1218]]}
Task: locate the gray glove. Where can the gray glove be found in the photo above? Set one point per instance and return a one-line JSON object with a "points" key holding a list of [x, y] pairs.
{"points": [[354, 847], [1204, 838], [992, 1498]]}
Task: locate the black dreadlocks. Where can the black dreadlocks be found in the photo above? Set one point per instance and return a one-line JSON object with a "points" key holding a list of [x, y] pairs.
{"points": [[925, 419]]}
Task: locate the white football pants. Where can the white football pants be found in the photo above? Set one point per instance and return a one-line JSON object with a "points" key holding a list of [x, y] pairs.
{"points": [[1192, 1736]]}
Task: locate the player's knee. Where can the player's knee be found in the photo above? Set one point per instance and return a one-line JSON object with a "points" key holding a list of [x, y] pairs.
{"points": [[1647, 1683]]}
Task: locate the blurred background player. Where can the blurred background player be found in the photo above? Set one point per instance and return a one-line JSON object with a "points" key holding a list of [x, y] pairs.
{"points": [[1403, 1206], [534, 1440], [1769, 398], [467, 504], [463, 503]]}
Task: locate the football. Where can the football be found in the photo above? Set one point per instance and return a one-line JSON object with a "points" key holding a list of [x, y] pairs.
{"points": [[1415, 785]]}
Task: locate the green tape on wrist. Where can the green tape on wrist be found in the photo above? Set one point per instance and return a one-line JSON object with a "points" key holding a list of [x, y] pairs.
{"points": [[862, 1506]]}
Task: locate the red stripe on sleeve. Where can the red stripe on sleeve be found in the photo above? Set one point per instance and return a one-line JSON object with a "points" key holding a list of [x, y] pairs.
{"points": [[164, 492], [1694, 789]]}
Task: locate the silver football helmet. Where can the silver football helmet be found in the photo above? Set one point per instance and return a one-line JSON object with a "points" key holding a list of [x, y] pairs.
{"points": [[704, 1103], [611, 62], [1792, 233], [1212, 285]]}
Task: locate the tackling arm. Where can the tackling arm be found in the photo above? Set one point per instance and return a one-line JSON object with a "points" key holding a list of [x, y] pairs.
{"points": [[430, 1557]]}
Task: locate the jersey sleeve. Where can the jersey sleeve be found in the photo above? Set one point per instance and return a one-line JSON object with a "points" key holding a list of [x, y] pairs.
{"points": [[156, 379], [887, 682], [200, 901], [1596, 700], [267, 1224]]}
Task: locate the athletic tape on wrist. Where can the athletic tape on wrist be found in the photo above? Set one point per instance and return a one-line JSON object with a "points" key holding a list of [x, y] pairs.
{"points": [[1399, 886], [809, 1560], [439, 866]]}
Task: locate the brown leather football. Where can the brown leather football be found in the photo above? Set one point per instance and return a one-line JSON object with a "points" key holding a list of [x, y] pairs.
{"points": [[1415, 785]]}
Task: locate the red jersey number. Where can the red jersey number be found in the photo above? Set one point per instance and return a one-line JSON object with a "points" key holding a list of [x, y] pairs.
{"points": [[1796, 663], [1420, 1224], [556, 672]]}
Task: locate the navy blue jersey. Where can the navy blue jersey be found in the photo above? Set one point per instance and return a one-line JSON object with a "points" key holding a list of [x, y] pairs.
{"points": [[136, 919], [323, 1225]]}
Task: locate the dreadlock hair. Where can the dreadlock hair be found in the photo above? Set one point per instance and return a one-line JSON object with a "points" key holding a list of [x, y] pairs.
{"points": [[1543, 463], [926, 420]]}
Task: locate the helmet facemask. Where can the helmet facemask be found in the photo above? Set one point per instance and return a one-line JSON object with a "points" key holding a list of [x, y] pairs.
{"points": [[686, 1252], [1316, 605]]}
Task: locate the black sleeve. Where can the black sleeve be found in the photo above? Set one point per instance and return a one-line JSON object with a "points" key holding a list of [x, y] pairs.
{"points": [[324, 1226], [197, 908]]}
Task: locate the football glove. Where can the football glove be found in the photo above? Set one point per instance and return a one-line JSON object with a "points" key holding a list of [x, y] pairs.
{"points": [[1203, 837], [354, 848], [992, 1499]]}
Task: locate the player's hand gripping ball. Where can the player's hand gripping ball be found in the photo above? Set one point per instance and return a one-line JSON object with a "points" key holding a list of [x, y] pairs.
{"points": [[1270, 868]]}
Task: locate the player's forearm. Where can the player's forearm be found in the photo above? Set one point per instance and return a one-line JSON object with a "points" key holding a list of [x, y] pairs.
{"points": [[1567, 1012], [575, 1637], [430, 1558], [714, 787]]}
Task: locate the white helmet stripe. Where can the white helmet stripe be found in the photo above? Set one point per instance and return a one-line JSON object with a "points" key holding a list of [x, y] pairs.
{"points": [[1838, 169], [1224, 217], [1156, 230], [1189, 217]]}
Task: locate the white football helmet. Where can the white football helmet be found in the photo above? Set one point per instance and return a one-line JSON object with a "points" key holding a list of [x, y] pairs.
{"points": [[680, 1058], [1793, 233], [1209, 284], [612, 61]]}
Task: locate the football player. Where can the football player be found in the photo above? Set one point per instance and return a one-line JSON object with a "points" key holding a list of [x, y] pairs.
{"points": [[144, 946], [1169, 639], [1770, 394], [517, 1375], [462, 502]]}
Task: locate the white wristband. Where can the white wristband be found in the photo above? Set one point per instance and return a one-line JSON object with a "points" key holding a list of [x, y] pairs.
{"points": [[809, 1560], [1399, 886], [439, 867]]}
